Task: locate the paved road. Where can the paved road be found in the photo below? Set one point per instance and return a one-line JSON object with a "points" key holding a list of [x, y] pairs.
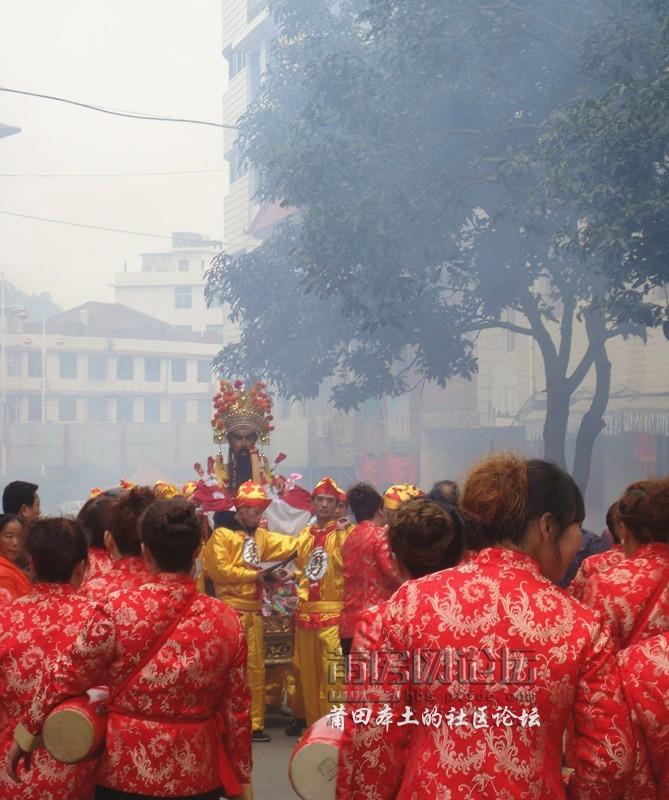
{"points": [[270, 762]]}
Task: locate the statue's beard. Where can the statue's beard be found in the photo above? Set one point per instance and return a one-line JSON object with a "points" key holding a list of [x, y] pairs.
{"points": [[242, 469]]}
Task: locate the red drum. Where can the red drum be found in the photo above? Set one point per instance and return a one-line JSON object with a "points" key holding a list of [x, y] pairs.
{"points": [[314, 762], [75, 729]]}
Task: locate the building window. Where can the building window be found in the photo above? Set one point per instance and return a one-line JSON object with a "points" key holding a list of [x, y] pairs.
{"points": [[182, 265], [203, 371], [34, 364], [179, 409], [236, 60], [34, 408], [217, 329], [97, 368], [13, 364], [97, 409], [124, 368], [183, 297], [12, 409], [124, 409], [204, 410], [67, 409], [178, 370], [238, 165], [254, 75], [68, 366], [152, 368], [151, 409]]}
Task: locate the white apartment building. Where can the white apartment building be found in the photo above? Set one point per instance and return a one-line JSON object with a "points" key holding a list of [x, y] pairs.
{"points": [[249, 35], [107, 387], [170, 286]]}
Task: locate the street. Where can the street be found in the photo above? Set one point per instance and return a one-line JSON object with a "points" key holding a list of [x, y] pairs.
{"points": [[270, 762]]}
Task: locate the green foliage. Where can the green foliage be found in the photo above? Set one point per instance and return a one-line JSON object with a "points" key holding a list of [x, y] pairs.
{"points": [[435, 151], [38, 306], [607, 156]]}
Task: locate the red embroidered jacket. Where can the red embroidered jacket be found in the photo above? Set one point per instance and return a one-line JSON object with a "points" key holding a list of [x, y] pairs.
{"points": [[479, 669], [128, 572], [644, 668], [166, 726], [99, 563], [622, 592], [370, 574], [35, 630], [592, 564]]}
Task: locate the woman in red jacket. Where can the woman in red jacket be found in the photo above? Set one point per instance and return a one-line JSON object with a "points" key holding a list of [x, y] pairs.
{"points": [[35, 630], [480, 667], [13, 581], [175, 663], [632, 594]]}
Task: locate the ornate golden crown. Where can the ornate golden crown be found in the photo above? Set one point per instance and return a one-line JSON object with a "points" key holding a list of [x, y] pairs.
{"points": [[236, 406]]}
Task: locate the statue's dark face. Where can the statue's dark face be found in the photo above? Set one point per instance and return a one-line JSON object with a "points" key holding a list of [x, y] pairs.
{"points": [[242, 440]]}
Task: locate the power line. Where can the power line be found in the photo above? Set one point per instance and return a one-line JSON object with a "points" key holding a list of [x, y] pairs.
{"points": [[129, 114], [103, 228], [105, 174]]}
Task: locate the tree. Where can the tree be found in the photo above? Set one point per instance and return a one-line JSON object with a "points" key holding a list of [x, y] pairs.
{"points": [[410, 136]]}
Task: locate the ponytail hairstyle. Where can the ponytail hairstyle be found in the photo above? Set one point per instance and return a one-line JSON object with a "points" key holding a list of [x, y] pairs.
{"points": [[504, 493], [644, 510], [426, 536], [55, 546], [171, 531]]}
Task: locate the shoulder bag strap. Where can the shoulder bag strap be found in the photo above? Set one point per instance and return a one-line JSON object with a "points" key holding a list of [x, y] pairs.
{"points": [[160, 641]]}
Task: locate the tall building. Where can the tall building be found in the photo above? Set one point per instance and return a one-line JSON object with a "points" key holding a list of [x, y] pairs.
{"points": [[170, 286], [249, 36]]}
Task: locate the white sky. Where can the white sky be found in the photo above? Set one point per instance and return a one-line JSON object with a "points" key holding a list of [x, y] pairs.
{"points": [[160, 57]]}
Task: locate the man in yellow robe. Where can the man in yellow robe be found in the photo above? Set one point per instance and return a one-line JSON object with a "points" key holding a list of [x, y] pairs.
{"points": [[320, 591], [232, 558]]}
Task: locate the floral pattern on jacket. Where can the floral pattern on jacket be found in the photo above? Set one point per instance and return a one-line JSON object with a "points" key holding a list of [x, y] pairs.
{"points": [[166, 726], [622, 592], [592, 564], [370, 574], [127, 572], [36, 630], [505, 659], [644, 668]]}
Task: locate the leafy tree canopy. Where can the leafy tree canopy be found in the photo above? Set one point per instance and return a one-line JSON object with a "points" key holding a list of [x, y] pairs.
{"points": [[432, 150]]}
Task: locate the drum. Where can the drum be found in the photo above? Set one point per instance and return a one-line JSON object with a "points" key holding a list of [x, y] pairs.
{"points": [[313, 763], [75, 729]]}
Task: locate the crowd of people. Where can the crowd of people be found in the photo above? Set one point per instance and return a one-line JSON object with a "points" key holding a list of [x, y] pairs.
{"points": [[460, 640]]}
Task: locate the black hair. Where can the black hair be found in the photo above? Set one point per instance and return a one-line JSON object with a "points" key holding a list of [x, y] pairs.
{"points": [[445, 490], [171, 531], [124, 516], [5, 519], [55, 545], [18, 494], [364, 501], [94, 518]]}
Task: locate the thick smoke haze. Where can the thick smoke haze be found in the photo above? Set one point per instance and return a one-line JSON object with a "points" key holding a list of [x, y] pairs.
{"points": [[152, 57]]}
